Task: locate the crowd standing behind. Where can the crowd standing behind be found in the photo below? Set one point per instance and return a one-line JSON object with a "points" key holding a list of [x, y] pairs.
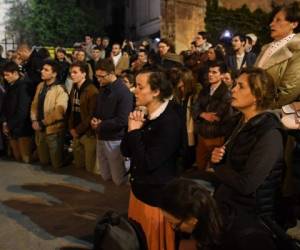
{"points": [[205, 113]]}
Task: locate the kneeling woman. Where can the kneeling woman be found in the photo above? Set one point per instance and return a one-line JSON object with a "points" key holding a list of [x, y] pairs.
{"points": [[249, 168], [153, 144]]}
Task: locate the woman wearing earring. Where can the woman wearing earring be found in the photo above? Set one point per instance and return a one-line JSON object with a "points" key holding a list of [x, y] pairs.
{"points": [[153, 144], [249, 166]]}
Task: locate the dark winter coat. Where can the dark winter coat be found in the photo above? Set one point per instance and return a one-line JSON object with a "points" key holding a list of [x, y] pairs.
{"points": [[16, 109]]}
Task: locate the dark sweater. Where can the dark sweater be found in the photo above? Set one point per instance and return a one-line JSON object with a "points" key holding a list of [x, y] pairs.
{"points": [[114, 103], [153, 150]]}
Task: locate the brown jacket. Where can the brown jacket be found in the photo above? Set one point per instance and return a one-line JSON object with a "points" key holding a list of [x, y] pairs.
{"points": [[87, 107], [122, 64], [55, 107]]}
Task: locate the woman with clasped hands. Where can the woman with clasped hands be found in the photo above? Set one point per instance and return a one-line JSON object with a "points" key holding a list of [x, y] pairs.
{"points": [[249, 166], [153, 144]]}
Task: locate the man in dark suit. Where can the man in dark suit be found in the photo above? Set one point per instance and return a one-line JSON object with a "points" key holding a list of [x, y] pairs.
{"points": [[239, 58]]}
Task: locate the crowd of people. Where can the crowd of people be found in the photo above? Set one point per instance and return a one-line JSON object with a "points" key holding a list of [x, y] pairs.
{"points": [[211, 114]]}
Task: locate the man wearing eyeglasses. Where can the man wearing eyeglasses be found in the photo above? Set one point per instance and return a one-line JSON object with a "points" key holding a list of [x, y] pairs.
{"points": [[114, 103], [201, 43]]}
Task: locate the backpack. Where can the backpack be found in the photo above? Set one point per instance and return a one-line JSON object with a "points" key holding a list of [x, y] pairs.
{"points": [[116, 232]]}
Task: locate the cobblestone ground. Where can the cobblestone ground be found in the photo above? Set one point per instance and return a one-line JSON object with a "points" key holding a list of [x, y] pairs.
{"points": [[43, 209]]}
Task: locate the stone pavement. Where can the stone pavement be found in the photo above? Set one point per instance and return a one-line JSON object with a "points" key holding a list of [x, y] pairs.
{"points": [[43, 209]]}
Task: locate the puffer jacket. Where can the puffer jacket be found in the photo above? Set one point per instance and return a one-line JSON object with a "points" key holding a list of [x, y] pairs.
{"points": [[251, 176]]}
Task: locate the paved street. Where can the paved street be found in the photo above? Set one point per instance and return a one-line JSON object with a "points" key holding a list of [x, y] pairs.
{"points": [[45, 209]]}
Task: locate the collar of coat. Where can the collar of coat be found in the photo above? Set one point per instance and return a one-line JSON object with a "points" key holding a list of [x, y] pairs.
{"points": [[283, 54]]}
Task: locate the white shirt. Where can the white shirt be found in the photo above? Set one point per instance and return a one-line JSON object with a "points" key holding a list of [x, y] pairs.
{"points": [[239, 60], [159, 110], [116, 58]]}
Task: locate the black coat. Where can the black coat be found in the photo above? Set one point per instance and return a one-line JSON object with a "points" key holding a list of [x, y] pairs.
{"points": [[16, 109], [153, 151]]}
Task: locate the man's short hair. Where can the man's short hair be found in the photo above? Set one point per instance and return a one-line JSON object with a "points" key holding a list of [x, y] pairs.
{"points": [[203, 34], [221, 65], [143, 51], [83, 67], [10, 67], [95, 47], [115, 43], [242, 37], [106, 65], [53, 64], [62, 50]]}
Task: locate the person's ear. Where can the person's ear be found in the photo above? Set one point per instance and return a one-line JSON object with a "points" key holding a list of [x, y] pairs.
{"points": [[295, 25], [156, 93]]}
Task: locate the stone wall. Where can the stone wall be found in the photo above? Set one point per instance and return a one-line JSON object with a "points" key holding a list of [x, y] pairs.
{"points": [[252, 4], [181, 20]]}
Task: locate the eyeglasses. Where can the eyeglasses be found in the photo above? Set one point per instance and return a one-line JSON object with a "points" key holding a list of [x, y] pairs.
{"points": [[101, 76], [176, 226]]}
